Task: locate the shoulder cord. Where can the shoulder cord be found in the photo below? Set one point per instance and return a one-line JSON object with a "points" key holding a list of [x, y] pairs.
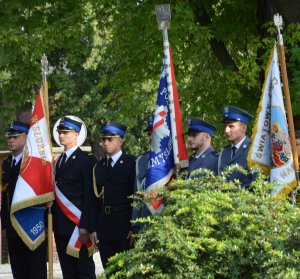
{"points": [[97, 194]]}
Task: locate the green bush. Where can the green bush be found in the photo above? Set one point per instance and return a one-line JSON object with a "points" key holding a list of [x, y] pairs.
{"points": [[211, 228]]}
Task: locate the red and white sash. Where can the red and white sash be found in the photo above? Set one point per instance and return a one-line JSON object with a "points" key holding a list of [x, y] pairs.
{"points": [[74, 214]]}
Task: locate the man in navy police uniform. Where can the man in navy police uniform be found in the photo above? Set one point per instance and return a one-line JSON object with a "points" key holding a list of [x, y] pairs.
{"points": [[114, 179], [73, 177], [24, 262], [235, 124], [142, 163], [200, 134]]}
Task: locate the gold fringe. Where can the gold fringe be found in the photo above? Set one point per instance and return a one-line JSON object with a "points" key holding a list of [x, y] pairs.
{"points": [[24, 204], [287, 189], [31, 245], [73, 252], [92, 250], [31, 202]]}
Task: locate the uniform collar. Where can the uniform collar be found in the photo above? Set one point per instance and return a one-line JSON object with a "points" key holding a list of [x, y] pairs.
{"points": [[115, 157], [70, 151], [202, 152], [17, 158], [238, 145]]}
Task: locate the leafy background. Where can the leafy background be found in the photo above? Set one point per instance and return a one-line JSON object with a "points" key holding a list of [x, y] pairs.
{"points": [[105, 59]]}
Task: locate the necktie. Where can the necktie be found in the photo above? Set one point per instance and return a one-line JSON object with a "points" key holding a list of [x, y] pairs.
{"points": [[63, 160], [233, 151], [13, 163], [109, 162]]}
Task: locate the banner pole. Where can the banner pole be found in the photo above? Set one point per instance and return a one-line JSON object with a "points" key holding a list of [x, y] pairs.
{"points": [[163, 16], [44, 68], [278, 23]]}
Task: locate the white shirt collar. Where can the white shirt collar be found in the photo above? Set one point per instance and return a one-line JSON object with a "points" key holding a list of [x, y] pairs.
{"points": [[238, 145], [17, 158], [70, 151], [115, 157], [198, 155]]}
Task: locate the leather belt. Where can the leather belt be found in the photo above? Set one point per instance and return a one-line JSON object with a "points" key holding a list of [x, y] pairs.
{"points": [[108, 209]]}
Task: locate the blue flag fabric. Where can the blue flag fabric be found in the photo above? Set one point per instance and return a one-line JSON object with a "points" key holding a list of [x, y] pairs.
{"points": [[161, 158]]}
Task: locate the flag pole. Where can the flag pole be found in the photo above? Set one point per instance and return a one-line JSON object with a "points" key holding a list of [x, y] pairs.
{"points": [[44, 68], [163, 17], [278, 23]]}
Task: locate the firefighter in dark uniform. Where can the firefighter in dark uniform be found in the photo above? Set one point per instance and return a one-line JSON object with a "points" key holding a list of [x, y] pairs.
{"points": [[73, 178], [235, 124], [142, 163], [114, 178], [24, 262], [200, 133]]}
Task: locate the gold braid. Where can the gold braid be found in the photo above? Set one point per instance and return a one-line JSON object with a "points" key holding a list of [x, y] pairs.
{"points": [[97, 194]]}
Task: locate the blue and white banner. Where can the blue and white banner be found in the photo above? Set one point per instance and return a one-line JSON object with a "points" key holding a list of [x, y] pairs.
{"points": [[161, 159]]}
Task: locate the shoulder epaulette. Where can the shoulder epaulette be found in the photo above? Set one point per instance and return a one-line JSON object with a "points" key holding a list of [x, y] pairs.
{"points": [[215, 153]]}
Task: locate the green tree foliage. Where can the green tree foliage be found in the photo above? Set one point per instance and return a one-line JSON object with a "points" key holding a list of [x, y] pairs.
{"points": [[212, 229], [105, 58]]}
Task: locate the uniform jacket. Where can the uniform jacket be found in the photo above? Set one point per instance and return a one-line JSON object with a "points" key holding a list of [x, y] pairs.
{"points": [[9, 180], [208, 160], [117, 184], [239, 158], [74, 179], [141, 171]]}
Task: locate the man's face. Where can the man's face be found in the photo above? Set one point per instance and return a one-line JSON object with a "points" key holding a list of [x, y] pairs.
{"points": [[68, 138], [16, 144], [112, 145], [235, 131], [196, 141]]}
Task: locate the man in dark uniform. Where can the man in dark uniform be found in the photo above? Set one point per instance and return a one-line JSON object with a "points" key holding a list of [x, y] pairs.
{"points": [[24, 262], [235, 124], [74, 192], [114, 178], [200, 133], [141, 171]]}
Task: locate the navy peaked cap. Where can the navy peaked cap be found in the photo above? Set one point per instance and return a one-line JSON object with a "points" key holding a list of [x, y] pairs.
{"points": [[113, 130], [234, 114], [17, 128], [196, 125], [68, 124]]}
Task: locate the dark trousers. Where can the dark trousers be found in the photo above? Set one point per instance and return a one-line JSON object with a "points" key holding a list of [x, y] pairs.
{"points": [[26, 263], [108, 249], [74, 268]]}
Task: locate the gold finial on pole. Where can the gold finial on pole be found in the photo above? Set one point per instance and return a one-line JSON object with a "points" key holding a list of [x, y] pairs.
{"points": [[44, 67], [279, 24]]}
